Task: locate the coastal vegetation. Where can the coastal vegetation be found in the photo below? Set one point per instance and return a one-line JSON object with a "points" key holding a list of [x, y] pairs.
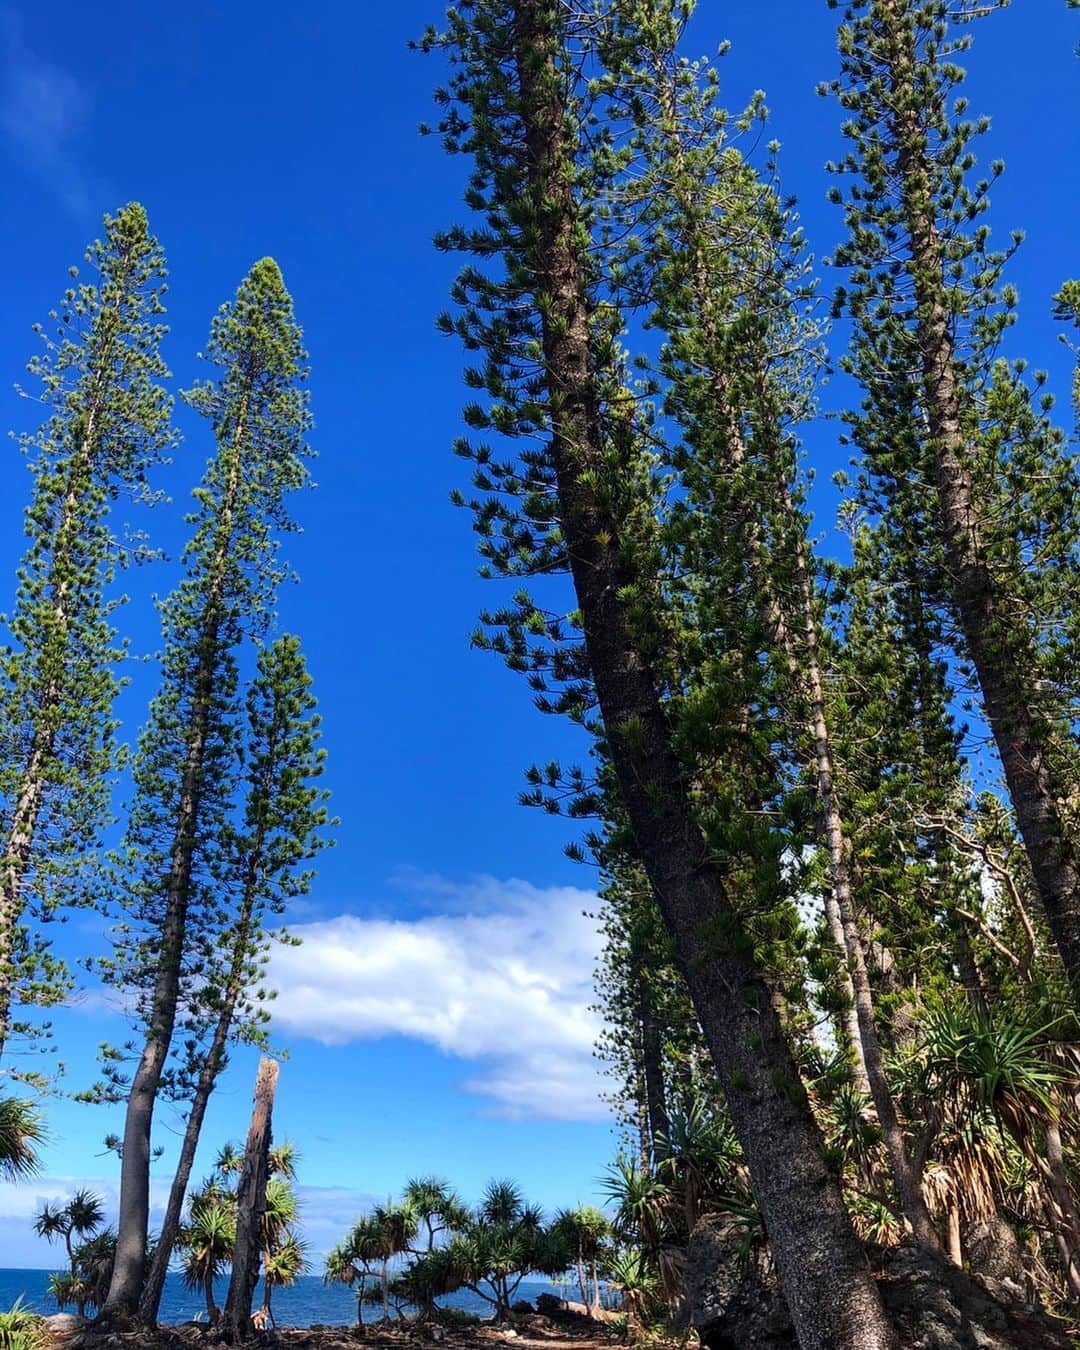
{"points": [[436, 1245], [830, 793]]}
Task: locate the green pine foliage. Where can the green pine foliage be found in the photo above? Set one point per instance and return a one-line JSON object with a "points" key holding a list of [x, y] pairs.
{"points": [[179, 847], [959, 452], [187, 771], [100, 373]]}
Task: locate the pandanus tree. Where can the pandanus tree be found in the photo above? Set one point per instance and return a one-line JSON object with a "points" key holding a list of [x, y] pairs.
{"points": [[581, 496], [436, 1206], [284, 1254], [372, 1244], [186, 768], [101, 374], [76, 1223], [207, 1239], [503, 1241], [343, 1267], [73, 1222], [86, 1284], [22, 1132], [584, 1231], [206, 1243]]}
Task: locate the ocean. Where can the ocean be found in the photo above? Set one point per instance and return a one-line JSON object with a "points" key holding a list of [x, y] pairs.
{"points": [[306, 1303]]}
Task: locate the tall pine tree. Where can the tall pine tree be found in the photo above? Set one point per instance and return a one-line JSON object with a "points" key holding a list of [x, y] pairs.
{"points": [[262, 867], [100, 373], [586, 503], [187, 763], [993, 491]]}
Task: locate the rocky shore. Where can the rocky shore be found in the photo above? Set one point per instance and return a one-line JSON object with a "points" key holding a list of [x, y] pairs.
{"points": [[565, 1328]]}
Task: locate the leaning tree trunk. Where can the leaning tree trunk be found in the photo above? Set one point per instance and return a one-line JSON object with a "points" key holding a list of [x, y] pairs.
{"points": [[828, 1287], [129, 1267], [208, 1293], [776, 620], [17, 848], [652, 1070], [150, 1300], [796, 637], [905, 1174], [251, 1205], [990, 627]]}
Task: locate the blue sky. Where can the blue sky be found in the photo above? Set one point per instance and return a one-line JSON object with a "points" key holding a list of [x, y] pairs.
{"points": [[438, 1014]]}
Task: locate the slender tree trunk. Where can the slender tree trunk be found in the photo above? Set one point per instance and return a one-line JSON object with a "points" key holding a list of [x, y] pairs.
{"points": [[953, 1248], [1066, 1254], [643, 1133], [268, 1256], [991, 630], [773, 614], [581, 1280], [130, 1264], [1067, 1230], [652, 1070], [251, 1204], [208, 1291], [18, 846], [804, 668], [968, 968], [828, 1288], [1055, 1158], [150, 1300], [905, 1176], [129, 1268]]}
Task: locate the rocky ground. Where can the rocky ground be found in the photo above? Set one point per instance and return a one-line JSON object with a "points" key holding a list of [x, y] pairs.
{"points": [[737, 1304], [529, 1331]]}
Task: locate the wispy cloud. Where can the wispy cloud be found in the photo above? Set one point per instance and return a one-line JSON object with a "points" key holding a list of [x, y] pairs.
{"points": [[501, 977], [21, 1201], [43, 108]]}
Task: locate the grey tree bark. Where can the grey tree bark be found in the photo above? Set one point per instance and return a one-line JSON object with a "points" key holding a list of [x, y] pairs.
{"points": [[251, 1205], [832, 1296]]}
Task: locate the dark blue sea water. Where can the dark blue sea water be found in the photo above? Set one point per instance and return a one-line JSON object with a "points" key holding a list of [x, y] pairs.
{"points": [[304, 1304]]}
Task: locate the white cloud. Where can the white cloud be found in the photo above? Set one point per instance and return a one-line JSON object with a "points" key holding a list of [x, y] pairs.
{"points": [[501, 976], [42, 109]]}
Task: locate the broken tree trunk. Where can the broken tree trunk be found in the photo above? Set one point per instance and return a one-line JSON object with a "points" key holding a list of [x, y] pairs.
{"points": [[250, 1205]]}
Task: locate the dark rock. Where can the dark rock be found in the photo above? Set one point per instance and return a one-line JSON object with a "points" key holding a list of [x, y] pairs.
{"points": [[523, 1306], [736, 1304], [936, 1306], [993, 1250], [549, 1304]]}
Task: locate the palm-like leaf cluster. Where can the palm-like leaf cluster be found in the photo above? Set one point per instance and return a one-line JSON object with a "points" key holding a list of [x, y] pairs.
{"points": [[207, 1239]]}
